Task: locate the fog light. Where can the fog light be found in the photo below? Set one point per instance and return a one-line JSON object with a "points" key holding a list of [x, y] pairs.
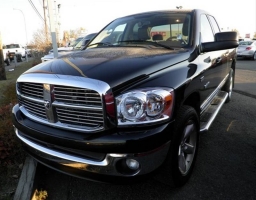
{"points": [[132, 164]]}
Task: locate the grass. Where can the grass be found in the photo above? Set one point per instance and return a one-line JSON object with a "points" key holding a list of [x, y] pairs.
{"points": [[12, 155], [12, 76]]}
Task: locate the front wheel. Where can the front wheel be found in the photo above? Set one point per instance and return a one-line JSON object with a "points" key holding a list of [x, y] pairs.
{"points": [[183, 150]]}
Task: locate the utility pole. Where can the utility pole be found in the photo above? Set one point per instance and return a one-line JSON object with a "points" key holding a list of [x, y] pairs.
{"points": [[45, 22], [59, 25], [53, 30], [2, 67], [56, 22]]}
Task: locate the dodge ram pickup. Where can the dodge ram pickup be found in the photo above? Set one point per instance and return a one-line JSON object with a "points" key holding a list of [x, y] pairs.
{"points": [[134, 101]]}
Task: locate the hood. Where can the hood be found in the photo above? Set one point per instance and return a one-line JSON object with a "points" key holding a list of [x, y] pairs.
{"points": [[113, 65]]}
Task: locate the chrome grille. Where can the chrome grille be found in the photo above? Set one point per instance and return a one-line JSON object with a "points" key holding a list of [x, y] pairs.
{"points": [[33, 90], [72, 107], [34, 108], [77, 96], [80, 117]]}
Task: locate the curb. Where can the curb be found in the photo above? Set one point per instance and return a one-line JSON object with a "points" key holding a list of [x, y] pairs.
{"points": [[26, 181]]}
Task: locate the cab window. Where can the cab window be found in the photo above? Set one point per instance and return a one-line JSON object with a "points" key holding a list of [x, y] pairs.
{"points": [[206, 30]]}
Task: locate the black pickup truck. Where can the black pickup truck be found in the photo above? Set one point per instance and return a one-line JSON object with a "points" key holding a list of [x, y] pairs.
{"points": [[134, 101]]}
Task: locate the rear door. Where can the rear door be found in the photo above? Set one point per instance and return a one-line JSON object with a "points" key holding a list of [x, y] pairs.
{"points": [[213, 64]]}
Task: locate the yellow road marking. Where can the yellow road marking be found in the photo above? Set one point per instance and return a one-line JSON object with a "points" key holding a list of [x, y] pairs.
{"points": [[229, 126]]}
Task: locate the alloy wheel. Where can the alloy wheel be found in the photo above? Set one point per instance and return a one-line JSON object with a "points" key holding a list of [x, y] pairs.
{"points": [[187, 147]]}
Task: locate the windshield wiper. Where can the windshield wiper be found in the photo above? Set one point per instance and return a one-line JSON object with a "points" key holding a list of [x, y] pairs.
{"points": [[150, 42], [101, 43]]}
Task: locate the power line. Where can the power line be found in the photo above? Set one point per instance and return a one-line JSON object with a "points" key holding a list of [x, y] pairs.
{"points": [[33, 6]]}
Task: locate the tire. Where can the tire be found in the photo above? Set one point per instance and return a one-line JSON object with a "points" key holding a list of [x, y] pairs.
{"points": [[181, 157], [254, 56], [228, 87]]}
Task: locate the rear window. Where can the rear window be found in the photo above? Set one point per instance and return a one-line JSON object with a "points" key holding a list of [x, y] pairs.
{"points": [[245, 43], [12, 46]]}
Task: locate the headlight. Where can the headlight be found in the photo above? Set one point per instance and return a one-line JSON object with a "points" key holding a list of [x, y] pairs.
{"points": [[144, 106]]}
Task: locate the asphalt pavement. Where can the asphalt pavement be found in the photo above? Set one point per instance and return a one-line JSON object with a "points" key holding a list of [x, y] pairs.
{"points": [[225, 167]]}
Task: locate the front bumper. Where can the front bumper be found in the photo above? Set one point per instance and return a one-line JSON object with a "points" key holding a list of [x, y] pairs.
{"points": [[98, 158], [247, 54]]}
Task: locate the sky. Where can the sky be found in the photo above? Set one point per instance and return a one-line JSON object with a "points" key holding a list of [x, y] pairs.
{"points": [[18, 19]]}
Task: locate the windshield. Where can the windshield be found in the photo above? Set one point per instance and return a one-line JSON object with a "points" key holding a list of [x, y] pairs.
{"points": [[160, 29]]}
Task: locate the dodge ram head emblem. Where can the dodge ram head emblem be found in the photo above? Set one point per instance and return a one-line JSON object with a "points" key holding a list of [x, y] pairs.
{"points": [[46, 104]]}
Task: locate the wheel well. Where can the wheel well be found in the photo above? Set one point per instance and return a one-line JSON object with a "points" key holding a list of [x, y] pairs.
{"points": [[193, 100]]}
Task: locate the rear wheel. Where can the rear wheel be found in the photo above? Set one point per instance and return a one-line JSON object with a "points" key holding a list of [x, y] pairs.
{"points": [[254, 56], [183, 150]]}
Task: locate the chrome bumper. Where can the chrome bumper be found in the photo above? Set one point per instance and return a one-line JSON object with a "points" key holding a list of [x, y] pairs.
{"points": [[111, 165]]}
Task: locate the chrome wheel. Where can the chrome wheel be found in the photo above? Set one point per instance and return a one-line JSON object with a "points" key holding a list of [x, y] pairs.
{"points": [[187, 147], [183, 150], [254, 56]]}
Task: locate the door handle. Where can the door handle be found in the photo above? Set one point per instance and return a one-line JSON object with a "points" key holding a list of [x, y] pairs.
{"points": [[206, 85], [218, 60]]}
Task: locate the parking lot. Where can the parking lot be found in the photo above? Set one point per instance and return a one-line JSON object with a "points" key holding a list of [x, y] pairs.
{"points": [[225, 168]]}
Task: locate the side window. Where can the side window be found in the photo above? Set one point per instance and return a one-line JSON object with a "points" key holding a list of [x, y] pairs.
{"points": [[112, 35], [120, 28], [206, 30], [214, 24]]}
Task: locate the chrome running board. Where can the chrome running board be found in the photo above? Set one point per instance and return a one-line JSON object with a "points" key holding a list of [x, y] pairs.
{"points": [[210, 113]]}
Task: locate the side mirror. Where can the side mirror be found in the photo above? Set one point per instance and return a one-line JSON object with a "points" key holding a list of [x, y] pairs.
{"points": [[223, 40]]}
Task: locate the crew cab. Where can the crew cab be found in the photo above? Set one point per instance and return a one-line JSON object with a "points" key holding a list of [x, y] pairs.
{"points": [[134, 101]]}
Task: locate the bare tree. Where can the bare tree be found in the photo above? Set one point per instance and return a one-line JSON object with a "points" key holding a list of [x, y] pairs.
{"points": [[40, 41], [77, 32], [238, 34], [70, 35]]}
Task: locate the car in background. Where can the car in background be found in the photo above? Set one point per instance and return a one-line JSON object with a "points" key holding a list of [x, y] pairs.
{"points": [[247, 49], [61, 51], [80, 45], [75, 42], [28, 52], [64, 50], [13, 50]]}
